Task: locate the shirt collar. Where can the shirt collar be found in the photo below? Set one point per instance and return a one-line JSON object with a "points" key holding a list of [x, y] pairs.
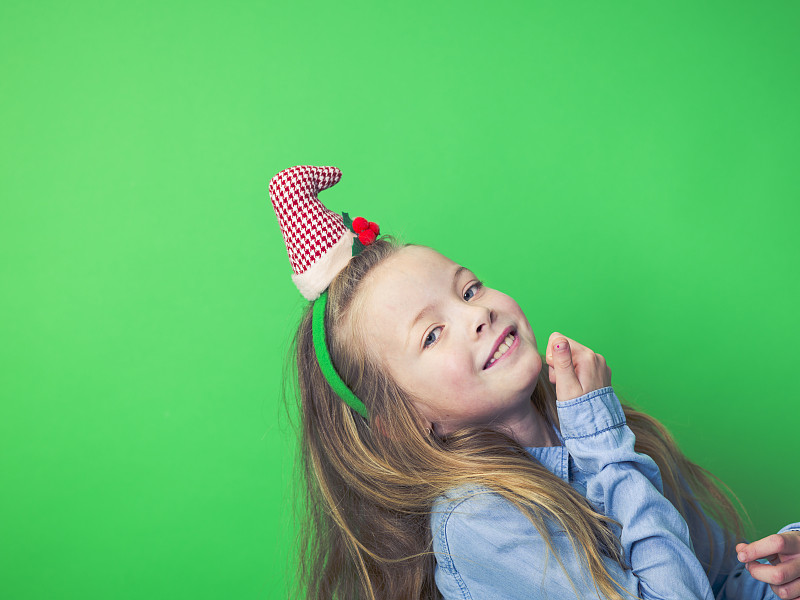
{"points": [[553, 458]]}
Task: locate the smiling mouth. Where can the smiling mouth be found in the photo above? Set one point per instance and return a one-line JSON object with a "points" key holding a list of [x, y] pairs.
{"points": [[502, 349]]}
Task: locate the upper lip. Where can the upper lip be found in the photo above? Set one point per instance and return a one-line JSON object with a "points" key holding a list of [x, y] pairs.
{"points": [[497, 343]]}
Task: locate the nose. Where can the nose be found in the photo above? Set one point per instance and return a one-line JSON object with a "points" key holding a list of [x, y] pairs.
{"points": [[481, 317]]}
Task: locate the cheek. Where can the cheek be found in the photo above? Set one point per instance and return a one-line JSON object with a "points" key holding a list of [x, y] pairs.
{"points": [[454, 374], [514, 309]]}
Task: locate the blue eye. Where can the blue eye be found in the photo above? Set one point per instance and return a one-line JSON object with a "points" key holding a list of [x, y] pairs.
{"points": [[431, 339], [477, 285]]}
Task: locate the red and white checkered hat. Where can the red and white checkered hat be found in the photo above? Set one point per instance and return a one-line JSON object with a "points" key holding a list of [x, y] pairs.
{"points": [[317, 240]]}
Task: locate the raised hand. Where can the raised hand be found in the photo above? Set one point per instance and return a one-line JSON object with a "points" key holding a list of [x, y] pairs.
{"points": [[782, 550], [575, 369]]}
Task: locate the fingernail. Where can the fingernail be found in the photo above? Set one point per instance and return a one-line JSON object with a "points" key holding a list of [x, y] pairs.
{"points": [[561, 347], [740, 556]]}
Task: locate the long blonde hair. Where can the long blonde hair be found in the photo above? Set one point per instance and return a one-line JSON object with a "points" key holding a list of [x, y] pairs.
{"points": [[367, 492]]}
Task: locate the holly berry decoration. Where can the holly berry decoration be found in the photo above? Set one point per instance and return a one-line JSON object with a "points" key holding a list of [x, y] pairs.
{"points": [[366, 232]]}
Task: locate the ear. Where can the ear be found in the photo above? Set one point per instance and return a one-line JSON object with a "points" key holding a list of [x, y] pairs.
{"points": [[423, 419]]}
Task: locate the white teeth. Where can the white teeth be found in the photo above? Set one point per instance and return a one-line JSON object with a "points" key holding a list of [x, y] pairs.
{"points": [[502, 348]]}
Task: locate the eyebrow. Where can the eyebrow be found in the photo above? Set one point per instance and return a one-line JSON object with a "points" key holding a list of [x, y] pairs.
{"points": [[429, 307]]}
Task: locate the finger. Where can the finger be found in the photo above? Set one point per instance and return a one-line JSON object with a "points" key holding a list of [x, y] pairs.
{"points": [[772, 558], [567, 384], [780, 574], [789, 590], [777, 543], [575, 347], [548, 352]]}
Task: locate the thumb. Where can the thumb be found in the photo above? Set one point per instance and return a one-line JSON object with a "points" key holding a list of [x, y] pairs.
{"points": [[567, 384]]}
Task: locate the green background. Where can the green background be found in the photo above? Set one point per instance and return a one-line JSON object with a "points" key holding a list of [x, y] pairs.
{"points": [[627, 171]]}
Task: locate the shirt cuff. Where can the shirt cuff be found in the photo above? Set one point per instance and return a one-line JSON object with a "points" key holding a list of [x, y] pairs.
{"points": [[592, 413], [792, 527]]}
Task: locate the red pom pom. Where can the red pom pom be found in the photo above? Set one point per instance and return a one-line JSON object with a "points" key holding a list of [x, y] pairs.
{"points": [[366, 237], [360, 224], [374, 227]]}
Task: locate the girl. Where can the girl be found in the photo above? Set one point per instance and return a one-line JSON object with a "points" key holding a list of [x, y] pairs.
{"points": [[445, 457]]}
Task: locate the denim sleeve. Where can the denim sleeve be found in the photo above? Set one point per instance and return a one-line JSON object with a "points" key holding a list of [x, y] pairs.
{"points": [[486, 548], [655, 537], [730, 580]]}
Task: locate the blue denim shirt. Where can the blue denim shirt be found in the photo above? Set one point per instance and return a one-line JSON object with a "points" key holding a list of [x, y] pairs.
{"points": [[486, 548]]}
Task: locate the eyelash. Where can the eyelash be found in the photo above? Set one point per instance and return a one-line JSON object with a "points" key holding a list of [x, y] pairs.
{"points": [[477, 285]]}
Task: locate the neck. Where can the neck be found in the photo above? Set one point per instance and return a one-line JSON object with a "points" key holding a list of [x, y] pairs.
{"points": [[530, 429]]}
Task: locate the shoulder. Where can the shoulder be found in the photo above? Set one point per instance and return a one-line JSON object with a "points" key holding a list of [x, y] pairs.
{"points": [[486, 547], [475, 520], [470, 503], [467, 496]]}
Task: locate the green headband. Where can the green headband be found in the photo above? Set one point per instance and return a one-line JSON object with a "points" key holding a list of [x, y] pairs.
{"points": [[324, 358]]}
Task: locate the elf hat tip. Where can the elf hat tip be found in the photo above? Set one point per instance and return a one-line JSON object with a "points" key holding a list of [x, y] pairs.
{"points": [[317, 241]]}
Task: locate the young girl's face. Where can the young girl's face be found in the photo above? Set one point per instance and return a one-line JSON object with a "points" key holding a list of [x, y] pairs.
{"points": [[438, 331]]}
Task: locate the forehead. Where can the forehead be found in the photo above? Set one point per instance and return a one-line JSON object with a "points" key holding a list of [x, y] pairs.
{"points": [[400, 286], [411, 266]]}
